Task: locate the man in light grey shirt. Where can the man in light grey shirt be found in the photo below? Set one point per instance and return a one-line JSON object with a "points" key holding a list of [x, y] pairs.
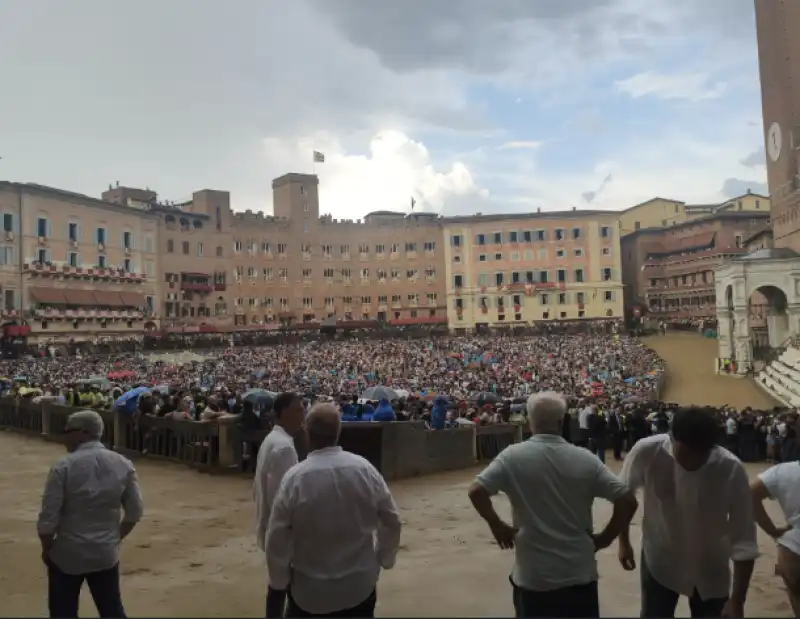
{"points": [[81, 523], [552, 485]]}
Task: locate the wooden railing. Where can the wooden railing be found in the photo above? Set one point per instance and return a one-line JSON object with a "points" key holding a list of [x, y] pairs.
{"points": [[226, 446]]}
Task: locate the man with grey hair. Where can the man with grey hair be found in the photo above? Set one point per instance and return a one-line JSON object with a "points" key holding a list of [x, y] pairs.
{"points": [[81, 523], [551, 486], [334, 525]]}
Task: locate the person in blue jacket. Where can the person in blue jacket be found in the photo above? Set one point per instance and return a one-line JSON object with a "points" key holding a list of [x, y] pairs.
{"points": [[384, 412], [366, 411], [439, 414]]}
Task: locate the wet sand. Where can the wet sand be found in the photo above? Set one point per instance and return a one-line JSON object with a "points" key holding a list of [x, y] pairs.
{"points": [[194, 553]]}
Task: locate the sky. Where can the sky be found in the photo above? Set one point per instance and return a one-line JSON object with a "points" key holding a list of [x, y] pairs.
{"points": [[465, 106]]}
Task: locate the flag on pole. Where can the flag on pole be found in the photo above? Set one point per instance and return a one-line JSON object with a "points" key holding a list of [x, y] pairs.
{"points": [[319, 157], [413, 203]]}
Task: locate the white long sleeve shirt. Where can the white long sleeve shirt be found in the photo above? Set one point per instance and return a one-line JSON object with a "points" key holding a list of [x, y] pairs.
{"points": [[334, 525], [695, 522], [276, 455]]}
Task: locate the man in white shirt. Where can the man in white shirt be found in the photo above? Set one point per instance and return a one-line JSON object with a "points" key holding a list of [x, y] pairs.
{"points": [[276, 455], [698, 516], [584, 418], [334, 525], [91, 503], [552, 485]]}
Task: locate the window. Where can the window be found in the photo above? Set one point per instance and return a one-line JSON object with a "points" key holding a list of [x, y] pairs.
{"points": [[561, 275], [513, 237], [458, 281], [72, 259], [411, 247], [480, 239], [637, 225], [100, 236], [102, 261], [8, 255], [606, 274], [42, 227], [608, 296], [305, 226], [302, 190], [580, 298], [483, 280], [73, 232], [237, 246], [127, 265], [499, 279], [306, 273], [562, 298], [185, 246], [344, 250], [543, 279], [456, 240], [170, 246], [579, 276], [605, 232], [578, 252], [544, 299], [430, 246], [541, 235], [606, 251], [42, 256], [738, 240], [148, 244], [514, 256], [560, 253], [498, 256], [515, 277], [127, 240], [327, 273], [527, 236], [8, 222], [305, 207], [497, 238], [380, 249], [10, 299], [483, 258], [528, 254], [576, 234], [281, 248], [149, 268], [559, 234]]}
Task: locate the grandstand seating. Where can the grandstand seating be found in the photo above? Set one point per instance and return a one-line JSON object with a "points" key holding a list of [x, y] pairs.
{"points": [[781, 378]]}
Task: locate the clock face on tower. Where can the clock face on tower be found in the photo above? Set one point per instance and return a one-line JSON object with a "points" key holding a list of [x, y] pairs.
{"points": [[774, 142]]}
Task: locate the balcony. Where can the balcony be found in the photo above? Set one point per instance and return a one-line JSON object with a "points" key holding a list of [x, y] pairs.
{"points": [[204, 287], [220, 286], [66, 271]]}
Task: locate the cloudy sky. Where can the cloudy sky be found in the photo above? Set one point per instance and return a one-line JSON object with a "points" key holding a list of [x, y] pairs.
{"points": [[466, 105]]}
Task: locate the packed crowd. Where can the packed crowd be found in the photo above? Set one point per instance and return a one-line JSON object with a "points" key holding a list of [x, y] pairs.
{"points": [[475, 371]]}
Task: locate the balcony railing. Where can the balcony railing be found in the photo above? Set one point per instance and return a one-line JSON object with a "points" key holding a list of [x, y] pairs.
{"points": [[197, 286], [66, 271]]}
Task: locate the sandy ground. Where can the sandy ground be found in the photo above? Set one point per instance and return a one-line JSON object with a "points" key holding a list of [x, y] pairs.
{"points": [[194, 553]]}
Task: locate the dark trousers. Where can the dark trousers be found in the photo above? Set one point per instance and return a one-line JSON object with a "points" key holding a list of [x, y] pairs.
{"points": [[658, 602], [619, 445], [363, 610], [598, 446], [64, 591], [575, 601]]}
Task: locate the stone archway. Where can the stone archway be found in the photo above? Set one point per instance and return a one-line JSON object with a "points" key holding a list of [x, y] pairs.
{"points": [[768, 320], [758, 305]]}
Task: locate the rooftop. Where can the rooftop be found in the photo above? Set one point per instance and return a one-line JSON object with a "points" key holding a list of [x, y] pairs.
{"points": [[775, 253]]}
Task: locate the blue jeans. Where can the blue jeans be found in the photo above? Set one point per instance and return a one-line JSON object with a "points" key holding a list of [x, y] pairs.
{"points": [[64, 591]]}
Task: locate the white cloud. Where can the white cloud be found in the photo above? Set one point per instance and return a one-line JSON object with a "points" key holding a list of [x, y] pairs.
{"points": [[687, 86], [520, 145], [392, 171]]}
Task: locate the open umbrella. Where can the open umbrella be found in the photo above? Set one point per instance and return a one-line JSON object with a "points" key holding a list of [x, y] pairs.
{"points": [[487, 398], [261, 398], [129, 400], [380, 393]]}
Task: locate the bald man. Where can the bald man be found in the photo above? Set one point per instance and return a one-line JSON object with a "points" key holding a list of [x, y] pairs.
{"points": [[334, 525]]}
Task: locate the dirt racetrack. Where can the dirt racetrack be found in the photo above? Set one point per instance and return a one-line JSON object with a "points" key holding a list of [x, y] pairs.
{"points": [[194, 553]]}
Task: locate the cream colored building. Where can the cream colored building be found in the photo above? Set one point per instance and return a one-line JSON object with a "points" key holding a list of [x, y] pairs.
{"points": [[665, 213], [75, 266], [506, 270]]}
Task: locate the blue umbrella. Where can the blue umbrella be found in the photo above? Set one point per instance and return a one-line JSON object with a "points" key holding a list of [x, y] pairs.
{"points": [[129, 400]]}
